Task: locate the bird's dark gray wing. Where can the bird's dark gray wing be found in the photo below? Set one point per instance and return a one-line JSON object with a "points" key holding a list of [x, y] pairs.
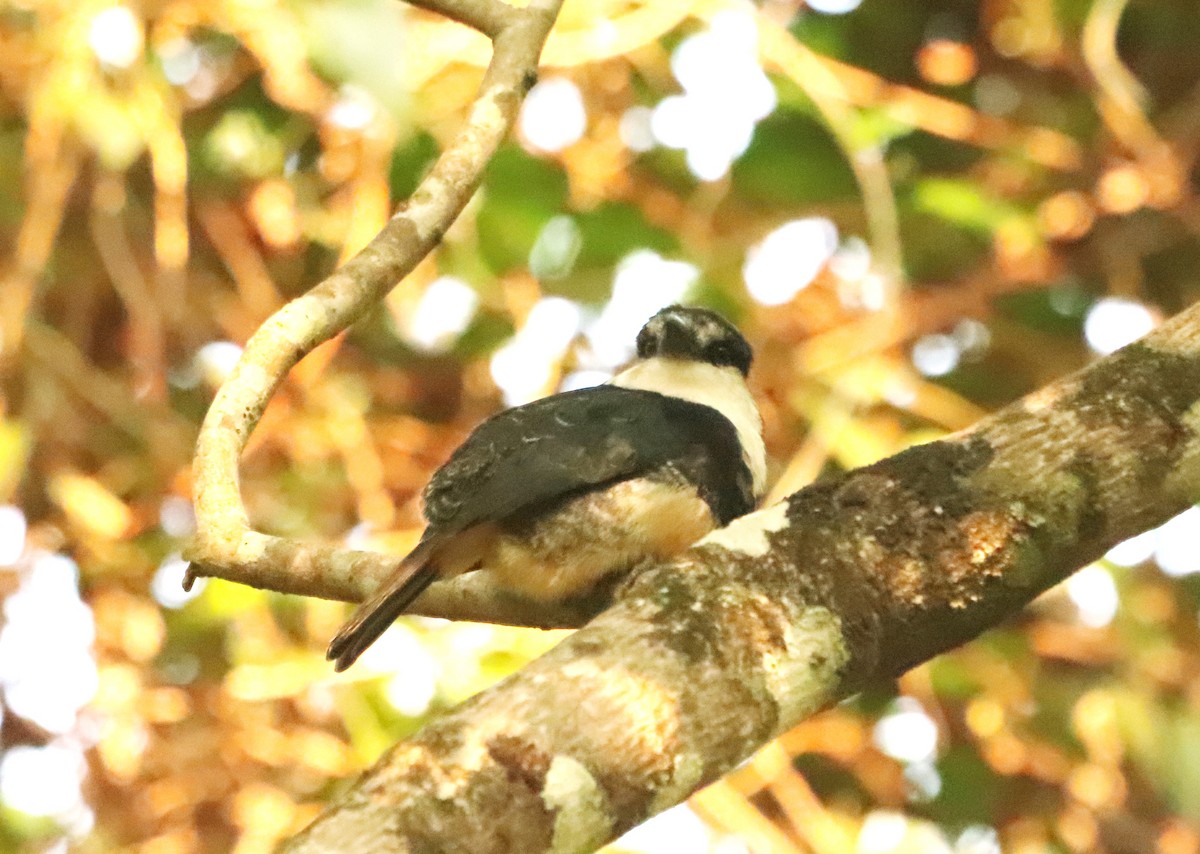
{"points": [[556, 447]]}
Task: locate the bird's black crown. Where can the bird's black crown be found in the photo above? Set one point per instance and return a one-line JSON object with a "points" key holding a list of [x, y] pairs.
{"points": [[697, 334]]}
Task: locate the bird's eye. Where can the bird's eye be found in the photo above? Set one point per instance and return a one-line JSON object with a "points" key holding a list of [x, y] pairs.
{"points": [[727, 353], [719, 354]]}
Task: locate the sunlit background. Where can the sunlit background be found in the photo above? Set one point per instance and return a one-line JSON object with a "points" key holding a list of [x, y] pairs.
{"points": [[917, 212]]}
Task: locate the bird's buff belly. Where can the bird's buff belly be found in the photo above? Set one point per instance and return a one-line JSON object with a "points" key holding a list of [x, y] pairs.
{"points": [[565, 552]]}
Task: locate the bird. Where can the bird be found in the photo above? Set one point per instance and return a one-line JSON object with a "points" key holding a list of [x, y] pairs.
{"points": [[552, 496]]}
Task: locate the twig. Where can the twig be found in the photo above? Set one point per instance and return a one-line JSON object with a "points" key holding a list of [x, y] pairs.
{"points": [[1122, 97], [490, 17], [162, 430], [225, 546], [120, 263], [818, 82]]}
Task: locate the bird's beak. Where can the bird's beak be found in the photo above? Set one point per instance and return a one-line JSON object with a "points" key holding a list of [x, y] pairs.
{"points": [[675, 340]]}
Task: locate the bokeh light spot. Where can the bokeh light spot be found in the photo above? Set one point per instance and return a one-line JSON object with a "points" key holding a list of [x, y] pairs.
{"points": [[1135, 550], [354, 109], [584, 379], [46, 664], [553, 115], [996, 95], [443, 313], [176, 516], [167, 585], [216, 360], [1178, 548], [1113, 322], [635, 129], [977, 839], [907, 733], [115, 36], [522, 367], [411, 692], [1123, 189], [725, 94], [1066, 216], [44, 781], [1094, 593], [936, 355], [947, 63], [12, 534], [833, 7], [181, 61], [972, 336], [556, 248], [788, 259], [924, 779], [644, 283], [881, 831], [675, 829]]}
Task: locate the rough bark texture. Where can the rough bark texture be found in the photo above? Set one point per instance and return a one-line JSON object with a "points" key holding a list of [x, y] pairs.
{"points": [[858, 577]]}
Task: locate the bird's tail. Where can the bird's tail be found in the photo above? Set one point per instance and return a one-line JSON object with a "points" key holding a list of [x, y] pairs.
{"points": [[415, 573]]}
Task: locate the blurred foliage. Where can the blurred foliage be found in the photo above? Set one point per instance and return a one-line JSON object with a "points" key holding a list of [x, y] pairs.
{"points": [[171, 172]]}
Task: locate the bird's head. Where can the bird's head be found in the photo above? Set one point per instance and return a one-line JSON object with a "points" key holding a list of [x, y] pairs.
{"points": [[694, 334]]}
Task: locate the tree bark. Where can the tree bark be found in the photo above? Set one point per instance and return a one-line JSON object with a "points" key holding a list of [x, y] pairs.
{"points": [[859, 577]]}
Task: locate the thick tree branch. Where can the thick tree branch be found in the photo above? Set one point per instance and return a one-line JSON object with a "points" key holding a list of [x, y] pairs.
{"points": [[703, 659], [225, 546]]}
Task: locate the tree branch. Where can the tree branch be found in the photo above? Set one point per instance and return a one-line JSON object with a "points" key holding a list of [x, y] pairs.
{"points": [[225, 546], [329, 572], [859, 577], [490, 17]]}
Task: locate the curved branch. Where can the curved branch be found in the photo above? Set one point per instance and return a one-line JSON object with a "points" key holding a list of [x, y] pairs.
{"points": [[1122, 97], [225, 546], [330, 572], [490, 17], [702, 660]]}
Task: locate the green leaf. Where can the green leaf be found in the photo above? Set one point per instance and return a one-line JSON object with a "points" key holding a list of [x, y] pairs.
{"points": [[936, 249], [556, 249], [520, 195], [952, 678], [874, 127], [1164, 739], [793, 159], [613, 230], [410, 161], [356, 41], [963, 203], [483, 336], [970, 790], [1059, 309], [513, 174], [922, 152], [241, 145]]}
